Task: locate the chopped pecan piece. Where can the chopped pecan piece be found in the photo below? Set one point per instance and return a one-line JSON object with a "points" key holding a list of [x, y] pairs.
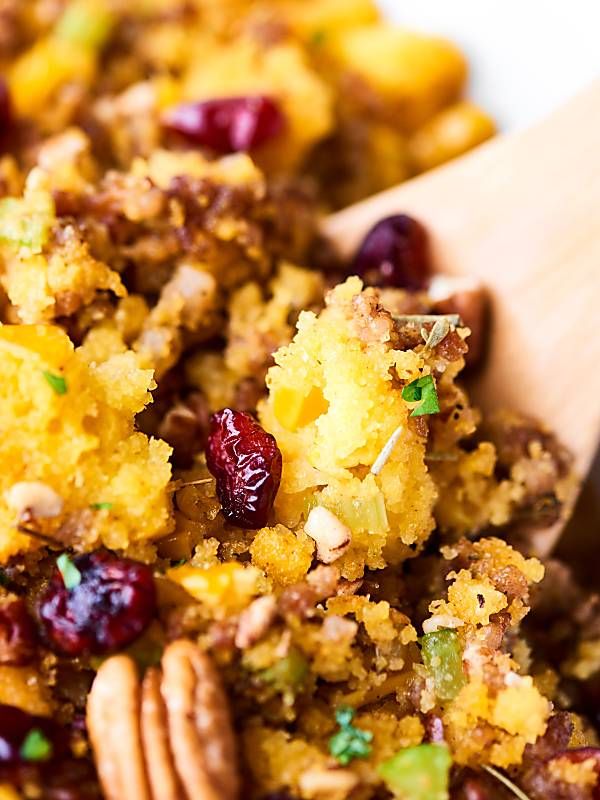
{"points": [[255, 621]]}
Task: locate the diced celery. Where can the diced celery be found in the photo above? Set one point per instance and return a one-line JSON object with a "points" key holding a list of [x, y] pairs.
{"points": [[288, 673], [363, 513], [25, 224], [442, 655], [418, 773], [85, 22]]}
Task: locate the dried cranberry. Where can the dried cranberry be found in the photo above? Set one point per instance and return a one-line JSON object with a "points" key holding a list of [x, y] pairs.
{"points": [[246, 462], [17, 634], [16, 725], [110, 607], [394, 253], [228, 124]]}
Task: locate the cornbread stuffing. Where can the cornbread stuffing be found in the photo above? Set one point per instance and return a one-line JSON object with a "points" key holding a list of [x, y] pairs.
{"points": [[255, 539]]}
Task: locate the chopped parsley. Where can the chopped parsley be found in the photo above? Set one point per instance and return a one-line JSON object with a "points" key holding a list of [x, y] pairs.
{"points": [[70, 574], [36, 747], [4, 579], [57, 382], [423, 391], [318, 37], [102, 506], [349, 742]]}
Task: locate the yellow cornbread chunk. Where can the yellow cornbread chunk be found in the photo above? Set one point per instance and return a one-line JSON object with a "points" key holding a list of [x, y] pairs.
{"points": [[71, 425], [25, 688], [69, 53], [503, 724], [42, 284], [334, 401], [225, 588], [418, 74]]}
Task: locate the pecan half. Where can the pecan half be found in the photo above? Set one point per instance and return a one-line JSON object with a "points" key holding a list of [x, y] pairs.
{"points": [[200, 729], [168, 737], [155, 737], [113, 716]]}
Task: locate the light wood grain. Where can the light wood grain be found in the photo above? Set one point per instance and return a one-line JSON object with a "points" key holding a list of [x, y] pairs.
{"points": [[521, 213]]}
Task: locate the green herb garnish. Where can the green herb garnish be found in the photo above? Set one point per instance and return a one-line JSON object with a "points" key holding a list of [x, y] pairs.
{"points": [[70, 574], [4, 579], [36, 746], [102, 506], [423, 390], [349, 742], [57, 382], [418, 773], [318, 37]]}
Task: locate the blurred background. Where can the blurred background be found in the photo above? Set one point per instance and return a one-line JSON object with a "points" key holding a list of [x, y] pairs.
{"points": [[526, 56]]}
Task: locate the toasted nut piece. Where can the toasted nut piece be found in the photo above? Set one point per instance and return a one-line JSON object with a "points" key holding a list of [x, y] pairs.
{"points": [[330, 534], [333, 784], [437, 621], [113, 719], [36, 497], [255, 621], [466, 297], [162, 777], [200, 731]]}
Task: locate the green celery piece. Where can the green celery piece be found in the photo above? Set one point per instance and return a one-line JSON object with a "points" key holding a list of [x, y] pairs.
{"points": [[22, 225], [288, 673], [442, 655], [85, 22], [418, 773]]}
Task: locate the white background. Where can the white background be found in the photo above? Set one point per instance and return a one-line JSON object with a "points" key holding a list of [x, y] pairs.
{"points": [[526, 56]]}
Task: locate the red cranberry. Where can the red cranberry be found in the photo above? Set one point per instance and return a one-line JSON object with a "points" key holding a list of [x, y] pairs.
{"points": [[110, 607], [228, 124], [246, 462], [15, 725], [17, 634], [394, 253]]}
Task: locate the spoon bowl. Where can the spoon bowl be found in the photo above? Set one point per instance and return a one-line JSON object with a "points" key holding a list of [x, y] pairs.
{"points": [[521, 214]]}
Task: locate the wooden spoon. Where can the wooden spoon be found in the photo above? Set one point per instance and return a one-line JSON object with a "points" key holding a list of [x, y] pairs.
{"points": [[522, 214]]}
